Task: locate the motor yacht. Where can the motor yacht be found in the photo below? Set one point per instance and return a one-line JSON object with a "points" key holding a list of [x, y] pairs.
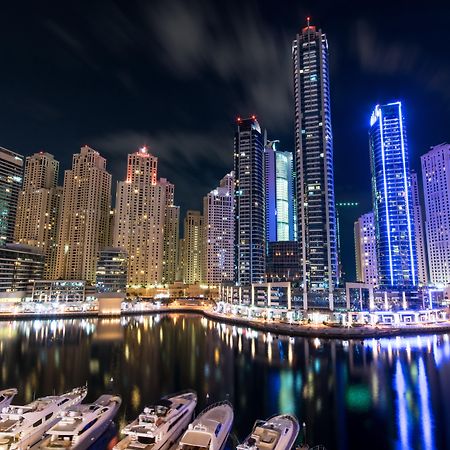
{"points": [[160, 426], [81, 425], [277, 433], [210, 430], [6, 397], [22, 426]]}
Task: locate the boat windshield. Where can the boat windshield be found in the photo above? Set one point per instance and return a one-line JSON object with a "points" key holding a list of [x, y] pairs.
{"points": [[193, 447]]}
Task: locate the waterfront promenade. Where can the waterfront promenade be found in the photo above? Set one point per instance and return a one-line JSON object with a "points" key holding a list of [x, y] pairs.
{"points": [[274, 326]]}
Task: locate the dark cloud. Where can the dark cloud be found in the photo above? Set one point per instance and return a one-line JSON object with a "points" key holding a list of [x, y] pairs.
{"points": [[196, 39]]}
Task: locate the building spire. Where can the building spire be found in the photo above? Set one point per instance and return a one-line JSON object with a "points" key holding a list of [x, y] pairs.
{"points": [[308, 19]]}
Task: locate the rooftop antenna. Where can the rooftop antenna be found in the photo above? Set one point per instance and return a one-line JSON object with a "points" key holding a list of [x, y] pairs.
{"points": [[308, 19]]}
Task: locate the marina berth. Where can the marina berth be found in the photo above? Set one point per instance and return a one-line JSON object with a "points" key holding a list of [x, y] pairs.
{"points": [[23, 426], [81, 425], [277, 433], [160, 426], [210, 429]]}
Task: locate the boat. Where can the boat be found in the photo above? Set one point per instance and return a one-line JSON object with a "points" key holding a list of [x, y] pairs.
{"points": [[276, 433], [81, 425], [160, 426], [210, 430], [23, 426], [6, 397]]}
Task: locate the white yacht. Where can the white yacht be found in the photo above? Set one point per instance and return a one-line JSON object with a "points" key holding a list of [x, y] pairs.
{"points": [[81, 425], [6, 397], [160, 426], [210, 430], [276, 433], [22, 426]]}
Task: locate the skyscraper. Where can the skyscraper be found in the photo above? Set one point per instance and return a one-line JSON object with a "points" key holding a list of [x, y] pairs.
{"points": [[436, 188], [112, 267], [422, 269], [249, 202], [279, 190], [86, 204], [316, 224], [392, 198], [139, 221], [171, 234], [218, 213], [366, 249], [193, 248], [11, 174], [39, 208]]}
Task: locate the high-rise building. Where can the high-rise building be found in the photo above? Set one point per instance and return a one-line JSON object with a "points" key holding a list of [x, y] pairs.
{"points": [[283, 261], [436, 188], [279, 186], [112, 267], [249, 202], [193, 248], [392, 198], [86, 204], [11, 177], [20, 265], [366, 249], [316, 224], [422, 269], [218, 214], [171, 234], [38, 210], [139, 224]]}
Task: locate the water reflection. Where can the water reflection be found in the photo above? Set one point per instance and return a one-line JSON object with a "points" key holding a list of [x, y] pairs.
{"points": [[377, 393]]}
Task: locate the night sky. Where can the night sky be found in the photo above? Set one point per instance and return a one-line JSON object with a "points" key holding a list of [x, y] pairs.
{"points": [[175, 74]]}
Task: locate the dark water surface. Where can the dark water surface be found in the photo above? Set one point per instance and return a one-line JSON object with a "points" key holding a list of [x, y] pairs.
{"points": [[372, 394]]}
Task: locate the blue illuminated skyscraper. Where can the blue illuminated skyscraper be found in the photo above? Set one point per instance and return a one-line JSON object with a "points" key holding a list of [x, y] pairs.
{"points": [[279, 191], [392, 198]]}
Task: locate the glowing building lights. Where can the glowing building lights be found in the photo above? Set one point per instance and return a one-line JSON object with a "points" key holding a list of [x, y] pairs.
{"points": [[392, 198]]}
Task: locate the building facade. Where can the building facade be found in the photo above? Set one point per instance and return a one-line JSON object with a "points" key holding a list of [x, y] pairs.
{"points": [[39, 208], [171, 235], [112, 270], [11, 178], [366, 250], [139, 224], [249, 202], [86, 205], [283, 261], [392, 198], [279, 190], [193, 248], [436, 189], [419, 226], [20, 265], [218, 213], [316, 224]]}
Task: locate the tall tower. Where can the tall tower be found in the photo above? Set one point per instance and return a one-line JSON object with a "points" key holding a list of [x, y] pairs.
{"points": [[392, 198], [11, 177], [365, 249], [193, 248], [316, 224], [436, 188], [39, 208], [249, 202], [218, 213], [422, 270], [139, 220], [279, 191], [86, 203], [171, 234]]}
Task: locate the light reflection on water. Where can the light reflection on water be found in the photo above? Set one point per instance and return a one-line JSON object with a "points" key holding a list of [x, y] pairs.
{"points": [[376, 393]]}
